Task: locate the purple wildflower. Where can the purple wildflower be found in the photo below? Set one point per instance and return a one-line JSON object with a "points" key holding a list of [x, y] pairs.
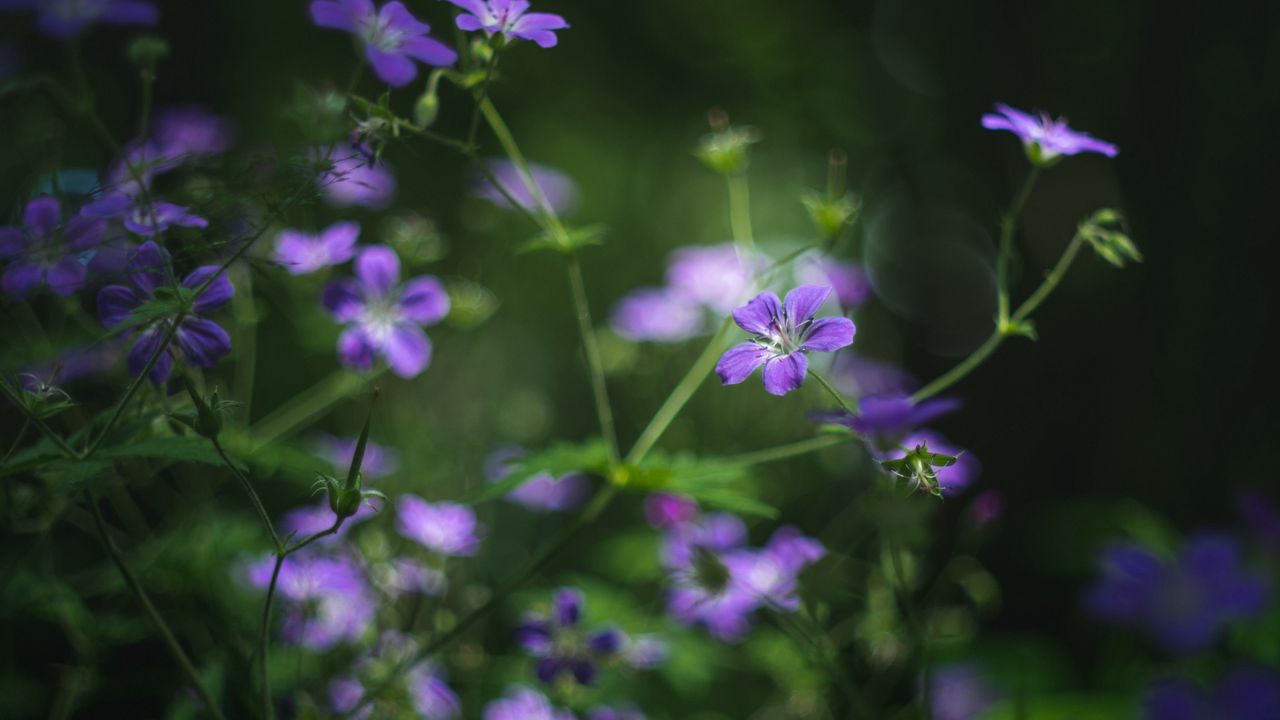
{"points": [[404, 576], [445, 528], [625, 712], [191, 132], [521, 703], [201, 341], [383, 317], [716, 276], [379, 460], [67, 18], [345, 693], [1245, 693], [431, 697], [511, 19], [328, 600], [1045, 139], [142, 216], [393, 38], [784, 334], [558, 189], [960, 692], [45, 251], [850, 281], [771, 575], [303, 253], [667, 510], [861, 376], [886, 422], [1184, 603], [311, 519], [350, 177], [80, 363], [561, 647], [704, 589], [657, 315], [543, 491]]}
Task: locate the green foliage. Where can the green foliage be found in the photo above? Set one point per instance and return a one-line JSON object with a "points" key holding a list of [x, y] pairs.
{"points": [[1104, 231], [567, 242], [558, 460]]}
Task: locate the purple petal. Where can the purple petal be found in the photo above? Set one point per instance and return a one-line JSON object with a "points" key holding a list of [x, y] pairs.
{"points": [[407, 349], [803, 302], [430, 51], [739, 362], [130, 12], [12, 242], [203, 342], [66, 276], [530, 22], [356, 350], [327, 14], [378, 268], [22, 278], [424, 300], [760, 315], [786, 373], [395, 69], [566, 606], [115, 303], [146, 346], [394, 16], [339, 241], [657, 315], [42, 215], [475, 7], [149, 267], [343, 299], [219, 292], [83, 233], [829, 334]]}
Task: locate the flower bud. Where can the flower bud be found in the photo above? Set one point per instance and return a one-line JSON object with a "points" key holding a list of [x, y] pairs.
{"points": [[206, 421], [147, 50], [725, 149], [427, 109]]}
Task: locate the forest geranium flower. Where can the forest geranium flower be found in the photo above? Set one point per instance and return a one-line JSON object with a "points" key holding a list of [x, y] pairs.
{"points": [[657, 315], [543, 491], [201, 341], [960, 692], [771, 575], [350, 177], [522, 703], [850, 282], [783, 336], [393, 38], [382, 317], [191, 132], [717, 276], [1184, 604], [511, 19], [67, 18], [561, 647], [885, 422], [45, 252], [328, 600], [140, 215], [1045, 138], [560, 192], [704, 587], [446, 528], [303, 253]]}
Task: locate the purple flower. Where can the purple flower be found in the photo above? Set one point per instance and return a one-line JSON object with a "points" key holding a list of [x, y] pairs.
{"points": [[44, 251], [403, 576], [393, 38], [784, 334], [445, 528], [140, 216], [1245, 693], [862, 376], [543, 491], [702, 560], [190, 132], [560, 192], [311, 519], [561, 647], [67, 18], [345, 693], [511, 19], [716, 276], [327, 598], [521, 703], [771, 575], [384, 318], [1183, 603], [349, 177], [645, 652], [201, 341], [667, 510], [303, 253], [431, 697], [378, 460], [619, 713], [657, 315], [850, 282], [1045, 139], [79, 363], [885, 422], [960, 692]]}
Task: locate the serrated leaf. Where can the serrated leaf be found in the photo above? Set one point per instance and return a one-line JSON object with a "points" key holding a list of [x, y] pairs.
{"points": [[558, 460]]}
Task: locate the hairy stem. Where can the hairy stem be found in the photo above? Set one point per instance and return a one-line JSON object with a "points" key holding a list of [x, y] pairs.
{"points": [[253, 494], [849, 406], [1008, 224], [595, 365]]}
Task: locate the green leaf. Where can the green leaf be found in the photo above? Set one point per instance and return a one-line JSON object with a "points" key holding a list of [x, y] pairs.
{"points": [[558, 460], [573, 240], [714, 482], [177, 449]]}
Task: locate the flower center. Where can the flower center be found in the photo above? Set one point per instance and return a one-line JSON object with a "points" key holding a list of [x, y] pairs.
{"points": [[381, 35], [379, 319]]}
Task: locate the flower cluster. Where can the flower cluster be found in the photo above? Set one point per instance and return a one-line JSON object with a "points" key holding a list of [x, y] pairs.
{"points": [[561, 647]]}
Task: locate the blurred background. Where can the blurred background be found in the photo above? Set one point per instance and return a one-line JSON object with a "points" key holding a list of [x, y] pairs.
{"points": [[1143, 407]]}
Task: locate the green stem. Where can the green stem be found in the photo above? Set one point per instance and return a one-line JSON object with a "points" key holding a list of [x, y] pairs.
{"points": [[308, 404], [481, 95], [246, 342], [594, 364], [740, 213], [17, 440], [970, 363], [253, 495], [850, 407], [161, 626], [1007, 226], [790, 450]]}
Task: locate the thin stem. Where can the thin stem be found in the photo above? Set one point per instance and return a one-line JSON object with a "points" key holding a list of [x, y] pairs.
{"points": [[246, 342], [850, 407], [17, 440], [1007, 226], [253, 495], [790, 450], [512, 151], [481, 95], [161, 626], [969, 364], [308, 404], [594, 364], [740, 213], [40, 424], [264, 635]]}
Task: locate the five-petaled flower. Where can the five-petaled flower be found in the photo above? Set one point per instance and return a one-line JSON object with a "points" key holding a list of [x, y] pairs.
{"points": [[1045, 138], [446, 528], [784, 332], [560, 645], [44, 251], [384, 318], [202, 341], [393, 38], [303, 253], [511, 19]]}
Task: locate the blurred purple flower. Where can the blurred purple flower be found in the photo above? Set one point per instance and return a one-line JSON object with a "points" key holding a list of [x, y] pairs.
{"points": [[1245, 693], [393, 38], [771, 574], [619, 713], [67, 18], [543, 491], [645, 652], [191, 132], [378, 461], [311, 519], [350, 177], [657, 315], [327, 598], [431, 697], [561, 647], [521, 703], [1045, 138], [885, 422], [303, 253], [345, 693], [201, 341], [850, 282], [383, 317], [405, 576], [704, 589], [667, 510], [960, 692], [861, 376], [511, 19], [445, 528], [45, 251], [714, 275], [1184, 603], [558, 189], [80, 363], [784, 334], [140, 215]]}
